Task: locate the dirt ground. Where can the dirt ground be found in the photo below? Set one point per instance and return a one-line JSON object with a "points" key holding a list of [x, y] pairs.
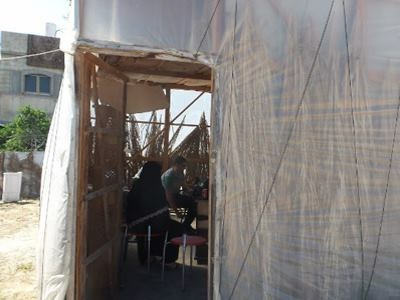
{"points": [[18, 235]]}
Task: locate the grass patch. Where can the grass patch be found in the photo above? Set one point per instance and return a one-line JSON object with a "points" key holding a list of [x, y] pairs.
{"points": [[25, 267]]}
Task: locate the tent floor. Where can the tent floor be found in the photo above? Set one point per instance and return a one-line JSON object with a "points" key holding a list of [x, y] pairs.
{"points": [[136, 283]]}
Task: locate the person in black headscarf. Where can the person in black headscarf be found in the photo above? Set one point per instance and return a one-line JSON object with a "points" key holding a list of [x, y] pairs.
{"points": [[147, 205]]}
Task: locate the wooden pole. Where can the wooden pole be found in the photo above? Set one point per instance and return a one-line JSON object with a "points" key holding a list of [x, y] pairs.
{"points": [[166, 131], [162, 123], [211, 197], [83, 86]]}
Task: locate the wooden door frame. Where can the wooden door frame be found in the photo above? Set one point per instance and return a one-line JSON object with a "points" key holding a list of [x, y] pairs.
{"points": [[85, 64], [211, 199]]}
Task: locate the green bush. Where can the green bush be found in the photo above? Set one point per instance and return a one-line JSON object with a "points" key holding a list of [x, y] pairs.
{"points": [[28, 131]]}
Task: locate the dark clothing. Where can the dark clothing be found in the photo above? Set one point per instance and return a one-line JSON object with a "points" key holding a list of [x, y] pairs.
{"points": [[145, 199], [172, 181], [188, 203]]}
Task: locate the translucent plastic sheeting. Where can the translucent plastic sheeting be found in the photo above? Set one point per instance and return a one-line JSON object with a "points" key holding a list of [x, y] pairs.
{"points": [[305, 136], [56, 246], [307, 109], [177, 25]]}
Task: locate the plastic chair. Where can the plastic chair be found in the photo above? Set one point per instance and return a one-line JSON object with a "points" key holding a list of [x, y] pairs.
{"points": [[129, 234]]}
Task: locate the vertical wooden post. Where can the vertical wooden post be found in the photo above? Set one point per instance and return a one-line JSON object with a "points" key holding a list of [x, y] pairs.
{"points": [[166, 131], [211, 198], [83, 82]]}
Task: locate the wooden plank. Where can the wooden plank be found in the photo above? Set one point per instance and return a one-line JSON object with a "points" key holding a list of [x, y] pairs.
{"points": [[83, 95], [86, 82], [118, 210], [202, 88], [160, 159], [106, 67], [206, 87], [165, 73], [103, 191], [105, 131], [211, 199], [99, 252], [162, 123], [166, 132]]}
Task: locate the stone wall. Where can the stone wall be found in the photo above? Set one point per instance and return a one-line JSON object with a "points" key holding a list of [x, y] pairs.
{"points": [[30, 164]]}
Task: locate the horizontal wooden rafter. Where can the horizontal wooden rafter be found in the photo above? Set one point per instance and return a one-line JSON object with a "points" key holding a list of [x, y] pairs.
{"points": [[162, 123], [166, 73]]}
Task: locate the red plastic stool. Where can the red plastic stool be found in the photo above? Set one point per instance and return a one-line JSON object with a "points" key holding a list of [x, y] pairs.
{"points": [[185, 240]]}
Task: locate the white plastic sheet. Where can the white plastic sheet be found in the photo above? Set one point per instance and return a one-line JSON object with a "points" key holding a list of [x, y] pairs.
{"points": [[309, 155], [305, 131], [56, 246]]}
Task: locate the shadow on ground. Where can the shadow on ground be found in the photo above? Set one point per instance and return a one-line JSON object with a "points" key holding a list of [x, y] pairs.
{"points": [[136, 283]]}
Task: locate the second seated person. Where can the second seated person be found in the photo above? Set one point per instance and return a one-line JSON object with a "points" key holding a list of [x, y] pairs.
{"points": [[172, 180]]}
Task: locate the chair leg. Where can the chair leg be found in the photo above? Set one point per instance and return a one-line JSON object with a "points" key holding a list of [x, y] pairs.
{"points": [[191, 259], [183, 265], [148, 247], [163, 255]]}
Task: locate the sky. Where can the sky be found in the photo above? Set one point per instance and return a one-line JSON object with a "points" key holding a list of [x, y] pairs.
{"points": [[31, 16]]}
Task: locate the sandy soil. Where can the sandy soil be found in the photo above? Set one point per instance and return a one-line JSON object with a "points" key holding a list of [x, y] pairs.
{"points": [[18, 234]]}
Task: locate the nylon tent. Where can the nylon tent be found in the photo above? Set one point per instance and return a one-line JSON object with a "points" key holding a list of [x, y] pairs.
{"points": [[305, 151]]}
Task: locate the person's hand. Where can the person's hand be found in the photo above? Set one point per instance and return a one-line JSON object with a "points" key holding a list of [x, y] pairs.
{"points": [[178, 214]]}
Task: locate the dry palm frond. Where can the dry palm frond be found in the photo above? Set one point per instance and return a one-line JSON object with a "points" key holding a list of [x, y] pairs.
{"points": [[195, 148]]}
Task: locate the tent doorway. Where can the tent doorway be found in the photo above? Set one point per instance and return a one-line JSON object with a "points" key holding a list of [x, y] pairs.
{"points": [[104, 92]]}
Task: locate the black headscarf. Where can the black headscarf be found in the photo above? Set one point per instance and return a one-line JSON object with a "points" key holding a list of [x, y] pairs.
{"points": [[147, 194]]}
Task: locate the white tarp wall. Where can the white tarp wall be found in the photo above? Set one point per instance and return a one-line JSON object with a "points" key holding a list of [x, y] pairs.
{"points": [[306, 105]]}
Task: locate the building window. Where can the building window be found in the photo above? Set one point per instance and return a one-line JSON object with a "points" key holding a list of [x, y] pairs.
{"points": [[37, 83]]}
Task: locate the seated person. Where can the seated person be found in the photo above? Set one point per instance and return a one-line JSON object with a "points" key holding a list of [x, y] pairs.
{"points": [[172, 180], [146, 205]]}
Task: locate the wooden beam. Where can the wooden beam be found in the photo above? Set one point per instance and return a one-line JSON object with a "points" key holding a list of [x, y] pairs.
{"points": [[203, 88], [162, 123], [92, 257], [83, 68], [152, 158], [106, 67], [211, 199], [165, 73], [105, 131], [166, 131], [176, 86]]}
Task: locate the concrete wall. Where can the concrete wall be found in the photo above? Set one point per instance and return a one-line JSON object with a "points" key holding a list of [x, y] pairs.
{"points": [[30, 164], [12, 75]]}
